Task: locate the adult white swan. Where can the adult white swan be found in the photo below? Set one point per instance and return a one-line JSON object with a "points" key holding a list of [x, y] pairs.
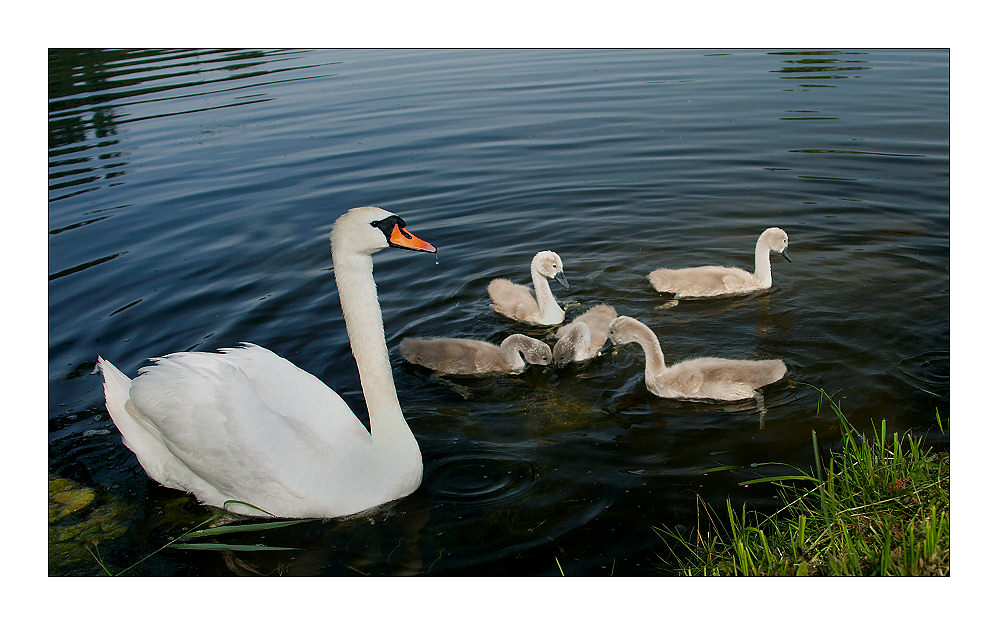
{"points": [[537, 307], [247, 425], [698, 378], [711, 280]]}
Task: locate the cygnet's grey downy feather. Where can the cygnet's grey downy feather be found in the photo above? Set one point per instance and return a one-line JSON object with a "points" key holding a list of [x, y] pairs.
{"points": [[455, 356], [585, 336], [537, 306], [714, 280], [698, 378]]}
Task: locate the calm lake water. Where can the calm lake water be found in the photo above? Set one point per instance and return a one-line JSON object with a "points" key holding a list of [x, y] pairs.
{"points": [[190, 198]]}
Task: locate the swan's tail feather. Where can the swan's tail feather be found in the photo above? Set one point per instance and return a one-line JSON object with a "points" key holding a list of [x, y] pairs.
{"points": [[116, 387], [116, 398], [136, 432]]}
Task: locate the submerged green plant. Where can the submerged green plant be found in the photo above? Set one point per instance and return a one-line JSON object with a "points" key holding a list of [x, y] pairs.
{"points": [[879, 507], [183, 541], [81, 516]]}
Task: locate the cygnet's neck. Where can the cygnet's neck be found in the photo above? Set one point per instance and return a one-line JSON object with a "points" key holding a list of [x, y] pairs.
{"points": [[551, 312], [354, 274], [763, 271], [654, 358], [512, 349], [580, 338]]}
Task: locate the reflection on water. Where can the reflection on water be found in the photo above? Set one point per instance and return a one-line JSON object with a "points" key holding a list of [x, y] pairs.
{"points": [[93, 92], [191, 193], [821, 65]]}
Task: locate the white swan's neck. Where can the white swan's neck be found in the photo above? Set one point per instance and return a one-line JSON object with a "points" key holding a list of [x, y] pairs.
{"points": [[551, 312], [390, 435], [763, 271]]}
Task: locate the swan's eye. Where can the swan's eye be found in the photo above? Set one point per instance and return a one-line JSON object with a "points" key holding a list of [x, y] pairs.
{"points": [[387, 226]]}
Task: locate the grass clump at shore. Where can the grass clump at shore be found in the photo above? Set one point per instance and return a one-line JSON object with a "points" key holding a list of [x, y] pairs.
{"points": [[877, 507]]}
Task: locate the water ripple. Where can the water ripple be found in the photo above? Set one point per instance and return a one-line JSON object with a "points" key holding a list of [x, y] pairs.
{"points": [[87, 265], [482, 478], [927, 372]]}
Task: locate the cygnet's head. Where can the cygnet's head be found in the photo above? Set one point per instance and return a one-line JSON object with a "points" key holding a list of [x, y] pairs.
{"points": [[536, 352], [368, 229], [574, 338], [548, 264], [776, 240], [625, 329]]}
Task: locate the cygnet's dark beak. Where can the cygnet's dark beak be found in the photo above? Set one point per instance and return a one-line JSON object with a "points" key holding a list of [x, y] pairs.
{"points": [[785, 254], [560, 277]]}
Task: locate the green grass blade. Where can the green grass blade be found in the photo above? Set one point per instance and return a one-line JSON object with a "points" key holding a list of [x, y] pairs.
{"points": [[777, 478], [817, 465], [96, 556], [249, 527], [224, 547], [726, 467], [243, 503]]}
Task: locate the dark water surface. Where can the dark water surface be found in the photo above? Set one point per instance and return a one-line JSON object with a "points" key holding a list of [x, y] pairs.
{"points": [[191, 194]]}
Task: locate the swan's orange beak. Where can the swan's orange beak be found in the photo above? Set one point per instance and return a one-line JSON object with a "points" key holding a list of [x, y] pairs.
{"points": [[400, 237]]}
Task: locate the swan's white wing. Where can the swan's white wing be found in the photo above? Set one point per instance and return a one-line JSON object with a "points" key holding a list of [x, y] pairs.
{"points": [[251, 424], [296, 394], [144, 438]]}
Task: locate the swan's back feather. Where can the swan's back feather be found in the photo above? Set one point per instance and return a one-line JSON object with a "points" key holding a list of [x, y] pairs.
{"points": [[280, 386]]}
